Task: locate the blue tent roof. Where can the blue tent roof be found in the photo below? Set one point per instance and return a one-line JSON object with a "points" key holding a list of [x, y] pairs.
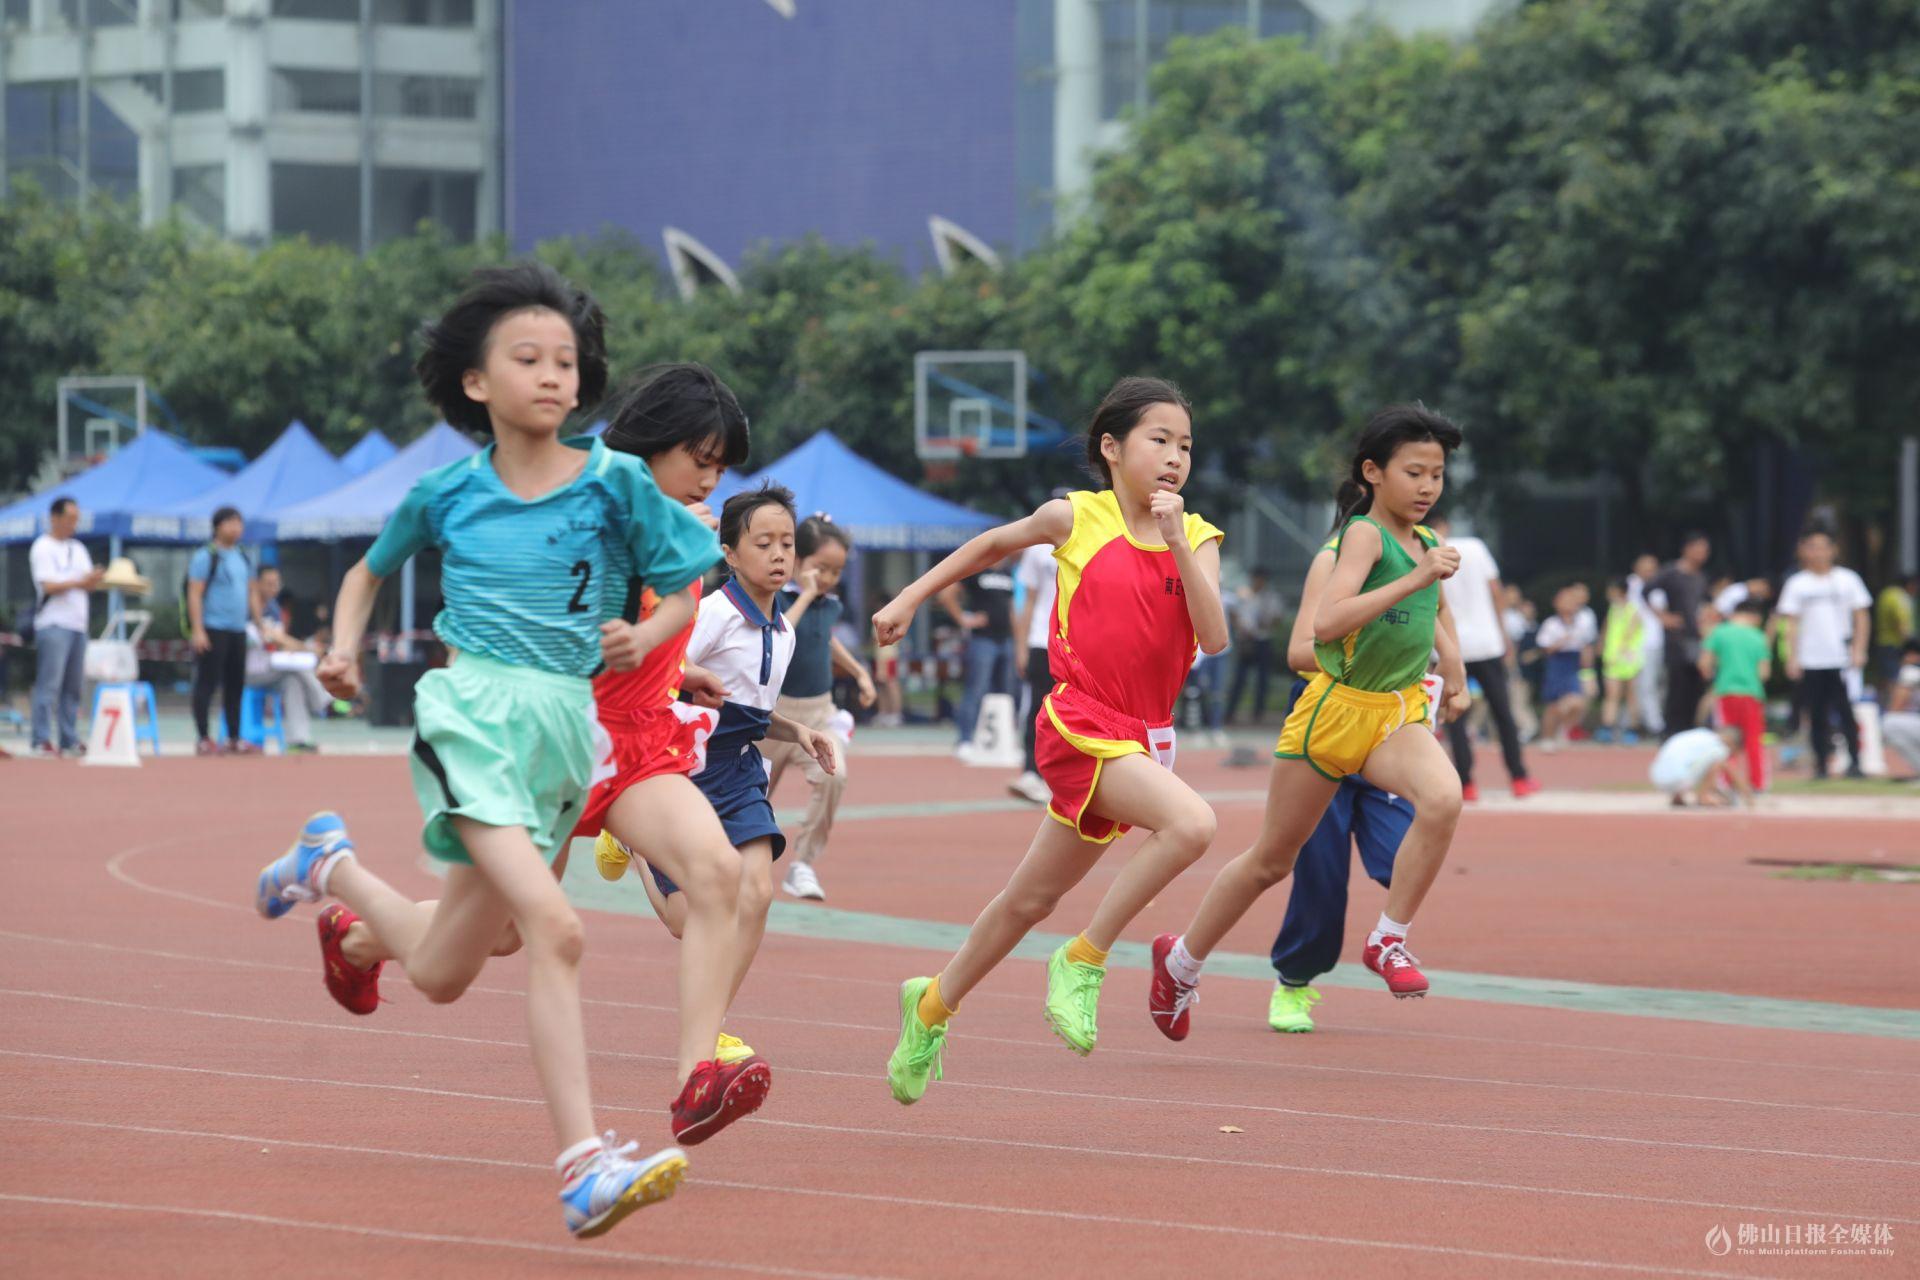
{"points": [[294, 468], [372, 449], [881, 511], [359, 508], [153, 470]]}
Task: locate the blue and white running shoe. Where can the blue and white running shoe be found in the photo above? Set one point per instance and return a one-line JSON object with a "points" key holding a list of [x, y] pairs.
{"points": [[613, 1184], [289, 878]]}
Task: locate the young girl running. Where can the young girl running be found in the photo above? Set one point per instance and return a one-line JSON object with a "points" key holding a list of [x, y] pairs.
{"points": [[1139, 588], [814, 610], [1365, 713], [742, 640], [687, 426], [531, 527]]}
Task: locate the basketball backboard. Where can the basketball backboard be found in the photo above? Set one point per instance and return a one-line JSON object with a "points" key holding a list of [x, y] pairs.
{"points": [[970, 404]]}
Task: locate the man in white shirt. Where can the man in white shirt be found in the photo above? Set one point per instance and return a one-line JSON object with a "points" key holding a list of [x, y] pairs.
{"points": [[1254, 613], [1474, 598], [1038, 580], [1653, 644], [1824, 608], [63, 573]]}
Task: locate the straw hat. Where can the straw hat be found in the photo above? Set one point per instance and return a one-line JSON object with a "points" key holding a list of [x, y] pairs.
{"points": [[122, 576]]}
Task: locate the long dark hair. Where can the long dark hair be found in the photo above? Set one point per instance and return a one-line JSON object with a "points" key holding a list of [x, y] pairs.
{"points": [[457, 341], [1385, 432], [678, 404], [1120, 412]]}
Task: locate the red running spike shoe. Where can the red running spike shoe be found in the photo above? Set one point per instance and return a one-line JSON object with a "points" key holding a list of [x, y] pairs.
{"points": [[1390, 959], [1170, 1000], [716, 1095], [357, 990]]}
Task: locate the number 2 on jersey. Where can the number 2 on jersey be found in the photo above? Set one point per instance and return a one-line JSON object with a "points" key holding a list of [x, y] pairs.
{"points": [[583, 570]]}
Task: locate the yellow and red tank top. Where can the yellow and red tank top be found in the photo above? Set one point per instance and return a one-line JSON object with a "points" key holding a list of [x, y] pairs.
{"points": [[1121, 632], [623, 696]]}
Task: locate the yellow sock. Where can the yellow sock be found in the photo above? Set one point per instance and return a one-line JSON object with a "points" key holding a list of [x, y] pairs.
{"points": [[1080, 951], [933, 1010]]}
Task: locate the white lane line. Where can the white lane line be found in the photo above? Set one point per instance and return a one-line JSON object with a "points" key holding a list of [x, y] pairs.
{"points": [[1061, 1148], [1334, 1069], [359, 1029], [585, 1253], [1376, 1175], [945, 1206]]}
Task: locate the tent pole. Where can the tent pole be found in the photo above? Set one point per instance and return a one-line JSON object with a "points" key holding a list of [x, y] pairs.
{"points": [[113, 596], [405, 648]]}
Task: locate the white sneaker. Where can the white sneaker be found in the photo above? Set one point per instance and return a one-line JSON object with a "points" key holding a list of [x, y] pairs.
{"points": [[966, 754], [1029, 786], [802, 883]]}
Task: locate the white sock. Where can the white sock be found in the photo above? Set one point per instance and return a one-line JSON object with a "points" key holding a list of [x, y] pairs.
{"points": [[324, 872], [577, 1154], [1181, 964], [1387, 928]]}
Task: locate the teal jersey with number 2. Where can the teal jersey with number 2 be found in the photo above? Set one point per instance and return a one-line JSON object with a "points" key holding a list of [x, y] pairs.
{"points": [[524, 581]]}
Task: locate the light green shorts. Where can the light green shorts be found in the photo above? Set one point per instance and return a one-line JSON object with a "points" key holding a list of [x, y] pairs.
{"points": [[504, 745]]}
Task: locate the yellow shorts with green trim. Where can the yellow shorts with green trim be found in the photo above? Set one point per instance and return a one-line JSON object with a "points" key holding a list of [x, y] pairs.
{"points": [[1335, 727]]}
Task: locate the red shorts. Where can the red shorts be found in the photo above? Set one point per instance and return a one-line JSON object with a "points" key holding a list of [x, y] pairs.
{"points": [[669, 739], [1075, 736]]}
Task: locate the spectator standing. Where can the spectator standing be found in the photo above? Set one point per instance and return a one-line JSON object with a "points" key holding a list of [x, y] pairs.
{"points": [[220, 601], [1256, 613], [1677, 593], [983, 606], [1033, 624], [1823, 612], [1893, 622], [1474, 594], [63, 573], [1653, 637]]}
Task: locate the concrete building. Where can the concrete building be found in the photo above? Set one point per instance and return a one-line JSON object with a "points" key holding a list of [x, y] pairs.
{"points": [[348, 120]]}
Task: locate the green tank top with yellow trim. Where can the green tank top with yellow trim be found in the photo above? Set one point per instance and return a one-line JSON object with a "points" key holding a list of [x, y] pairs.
{"points": [[1389, 653]]}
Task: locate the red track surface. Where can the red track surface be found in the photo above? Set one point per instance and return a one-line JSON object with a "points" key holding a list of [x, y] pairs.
{"points": [[182, 1099]]}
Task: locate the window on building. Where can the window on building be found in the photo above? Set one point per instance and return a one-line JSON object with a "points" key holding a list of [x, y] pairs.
{"points": [[404, 198], [203, 90], [320, 201], [332, 92], [1126, 62], [427, 97], [424, 13], [99, 13], [318, 10], [15, 13], [201, 190], [43, 142]]}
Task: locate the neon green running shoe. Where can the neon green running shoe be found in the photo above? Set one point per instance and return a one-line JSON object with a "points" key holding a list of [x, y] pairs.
{"points": [[1073, 1000], [916, 1059], [1291, 1008]]}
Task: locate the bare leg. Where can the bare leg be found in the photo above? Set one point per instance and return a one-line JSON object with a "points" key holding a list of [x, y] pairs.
{"points": [[756, 896], [1057, 860], [668, 822], [1296, 797], [1411, 765], [1140, 793]]}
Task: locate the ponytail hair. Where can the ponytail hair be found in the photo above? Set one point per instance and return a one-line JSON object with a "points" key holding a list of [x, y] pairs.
{"points": [[816, 529], [1120, 412], [1380, 439]]}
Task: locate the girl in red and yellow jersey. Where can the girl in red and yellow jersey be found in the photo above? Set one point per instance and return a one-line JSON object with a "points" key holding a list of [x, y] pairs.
{"points": [[1139, 589]]}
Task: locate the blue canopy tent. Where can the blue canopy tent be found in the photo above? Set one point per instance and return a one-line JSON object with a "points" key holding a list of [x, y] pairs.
{"points": [[368, 452], [294, 468], [150, 471], [360, 508], [881, 511]]}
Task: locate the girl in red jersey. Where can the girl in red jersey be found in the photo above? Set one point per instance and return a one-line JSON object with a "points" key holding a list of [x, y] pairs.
{"points": [[1139, 588], [688, 427]]}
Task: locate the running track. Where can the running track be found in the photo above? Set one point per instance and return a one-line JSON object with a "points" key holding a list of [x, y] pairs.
{"points": [[182, 1099]]}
